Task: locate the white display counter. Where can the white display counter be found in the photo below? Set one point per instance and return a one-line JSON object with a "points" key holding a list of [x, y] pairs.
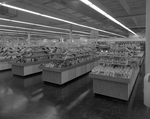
{"points": [[24, 69], [115, 87], [64, 75]]}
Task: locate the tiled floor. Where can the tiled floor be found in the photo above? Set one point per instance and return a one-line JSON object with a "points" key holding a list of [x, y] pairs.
{"points": [[30, 98]]}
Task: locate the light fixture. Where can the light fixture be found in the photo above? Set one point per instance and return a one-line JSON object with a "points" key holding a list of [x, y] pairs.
{"points": [[20, 32], [8, 30], [4, 32], [15, 33], [90, 4], [33, 29], [43, 31], [55, 18], [29, 23]]}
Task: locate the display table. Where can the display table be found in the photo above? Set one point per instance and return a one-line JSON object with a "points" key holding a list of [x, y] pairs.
{"points": [[24, 69], [115, 87], [4, 64], [141, 58], [63, 75]]}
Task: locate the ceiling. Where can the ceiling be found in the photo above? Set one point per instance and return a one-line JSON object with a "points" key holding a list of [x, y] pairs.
{"points": [[131, 13]]}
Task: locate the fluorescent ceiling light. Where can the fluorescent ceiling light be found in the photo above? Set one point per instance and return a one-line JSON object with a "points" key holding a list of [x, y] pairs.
{"points": [[29, 23], [55, 18], [31, 33], [90, 4], [3, 32], [8, 30], [44, 30], [33, 29], [20, 31]]}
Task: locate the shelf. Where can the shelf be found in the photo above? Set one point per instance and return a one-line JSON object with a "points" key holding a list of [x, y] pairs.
{"points": [[29, 63], [139, 55], [57, 54], [120, 49], [33, 56], [61, 59], [39, 55], [6, 60], [114, 56], [115, 87], [5, 65], [64, 75], [109, 78], [40, 51], [9, 54], [114, 63], [67, 68]]}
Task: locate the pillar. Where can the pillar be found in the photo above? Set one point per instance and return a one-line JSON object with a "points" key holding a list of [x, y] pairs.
{"points": [[61, 39], [94, 35], [18, 41], [71, 38], [29, 37], [147, 59], [2, 39]]}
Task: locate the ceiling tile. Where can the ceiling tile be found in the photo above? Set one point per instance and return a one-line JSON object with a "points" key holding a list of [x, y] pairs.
{"points": [[55, 5], [67, 10], [77, 15], [86, 18]]}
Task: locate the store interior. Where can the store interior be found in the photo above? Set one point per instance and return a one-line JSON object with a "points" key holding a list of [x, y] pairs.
{"points": [[74, 59]]}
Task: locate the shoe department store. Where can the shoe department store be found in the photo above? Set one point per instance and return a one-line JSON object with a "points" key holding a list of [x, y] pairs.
{"points": [[70, 59]]}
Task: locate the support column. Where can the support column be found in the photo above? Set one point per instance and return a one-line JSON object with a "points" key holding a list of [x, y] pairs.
{"points": [[71, 38], [94, 35], [2, 39], [18, 42], [61, 39], [29, 37], [147, 64]]}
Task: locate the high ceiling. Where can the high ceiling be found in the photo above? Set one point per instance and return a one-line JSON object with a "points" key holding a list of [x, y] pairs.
{"points": [[131, 13]]}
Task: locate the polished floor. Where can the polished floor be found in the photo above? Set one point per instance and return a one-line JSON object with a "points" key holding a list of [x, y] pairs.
{"points": [[30, 98]]}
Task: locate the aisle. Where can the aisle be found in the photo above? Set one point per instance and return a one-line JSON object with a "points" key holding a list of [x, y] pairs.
{"points": [[30, 98]]}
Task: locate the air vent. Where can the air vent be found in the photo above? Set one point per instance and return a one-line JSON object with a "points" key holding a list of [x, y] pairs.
{"points": [[3, 10]]}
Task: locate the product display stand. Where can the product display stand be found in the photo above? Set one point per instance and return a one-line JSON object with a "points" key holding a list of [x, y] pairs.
{"points": [[4, 65], [63, 75], [26, 68], [116, 87], [142, 59]]}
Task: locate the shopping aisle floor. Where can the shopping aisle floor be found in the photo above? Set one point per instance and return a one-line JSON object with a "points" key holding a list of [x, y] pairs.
{"points": [[30, 98]]}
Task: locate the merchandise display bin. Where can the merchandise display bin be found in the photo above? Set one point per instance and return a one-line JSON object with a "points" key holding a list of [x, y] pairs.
{"points": [[4, 65], [63, 75], [115, 87], [26, 68]]}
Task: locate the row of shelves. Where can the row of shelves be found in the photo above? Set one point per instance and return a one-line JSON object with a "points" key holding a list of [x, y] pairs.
{"points": [[65, 75]]}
